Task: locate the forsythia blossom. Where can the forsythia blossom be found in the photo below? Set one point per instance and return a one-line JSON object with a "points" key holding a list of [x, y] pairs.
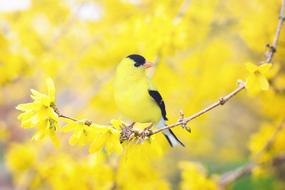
{"points": [[21, 157], [256, 81], [97, 136], [194, 176], [40, 114], [259, 140], [106, 137]]}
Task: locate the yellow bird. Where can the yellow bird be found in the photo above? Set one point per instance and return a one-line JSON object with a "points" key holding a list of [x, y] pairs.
{"points": [[136, 97]]}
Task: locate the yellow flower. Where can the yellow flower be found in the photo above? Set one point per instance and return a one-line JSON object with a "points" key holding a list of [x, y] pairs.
{"points": [[21, 157], [256, 81], [105, 137], [40, 114], [97, 136], [194, 176], [117, 123], [260, 139], [81, 133], [259, 172]]}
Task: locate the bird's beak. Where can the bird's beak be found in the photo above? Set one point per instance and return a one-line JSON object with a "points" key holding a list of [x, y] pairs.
{"points": [[147, 64]]}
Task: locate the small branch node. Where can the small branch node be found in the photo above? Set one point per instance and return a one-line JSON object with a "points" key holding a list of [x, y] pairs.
{"points": [[88, 122], [181, 117], [183, 121], [271, 48], [241, 83], [147, 132], [222, 101], [55, 109], [282, 18]]}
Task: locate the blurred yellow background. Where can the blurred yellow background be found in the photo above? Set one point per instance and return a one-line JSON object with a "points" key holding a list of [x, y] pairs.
{"points": [[201, 48]]}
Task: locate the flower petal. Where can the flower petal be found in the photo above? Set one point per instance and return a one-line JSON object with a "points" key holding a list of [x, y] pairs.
{"points": [[98, 143], [54, 138], [250, 67], [264, 68], [263, 83], [252, 85]]}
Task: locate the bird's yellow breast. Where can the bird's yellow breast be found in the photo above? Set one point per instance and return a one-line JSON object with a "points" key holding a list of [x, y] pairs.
{"points": [[134, 101]]}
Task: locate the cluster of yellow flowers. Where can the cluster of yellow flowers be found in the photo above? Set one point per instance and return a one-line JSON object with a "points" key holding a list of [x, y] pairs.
{"points": [[195, 176], [40, 114]]}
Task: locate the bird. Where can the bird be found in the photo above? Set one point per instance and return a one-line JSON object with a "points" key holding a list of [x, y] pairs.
{"points": [[137, 98]]}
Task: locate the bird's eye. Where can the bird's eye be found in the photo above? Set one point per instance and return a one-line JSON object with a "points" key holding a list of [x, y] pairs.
{"points": [[137, 64]]}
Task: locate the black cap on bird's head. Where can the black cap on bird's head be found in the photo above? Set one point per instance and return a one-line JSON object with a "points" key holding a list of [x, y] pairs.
{"points": [[140, 61]]}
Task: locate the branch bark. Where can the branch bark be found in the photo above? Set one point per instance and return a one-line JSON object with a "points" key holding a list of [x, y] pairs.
{"points": [[273, 48], [237, 173], [269, 56], [56, 110], [183, 122], [142, 134]]}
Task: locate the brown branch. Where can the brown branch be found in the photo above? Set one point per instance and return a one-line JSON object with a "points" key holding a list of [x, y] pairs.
{"points": [[237, 173], [223, 100], [129, 133], [231, 176], [180, 14], [220, 102], [273, 48], [142, 134], [56, 110]]}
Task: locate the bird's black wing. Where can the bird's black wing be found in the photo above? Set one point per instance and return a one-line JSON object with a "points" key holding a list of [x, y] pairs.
{"points": [[159, 101]]}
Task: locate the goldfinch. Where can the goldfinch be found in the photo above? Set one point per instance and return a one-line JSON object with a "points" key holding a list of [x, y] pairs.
{"points": [[136, 97]]}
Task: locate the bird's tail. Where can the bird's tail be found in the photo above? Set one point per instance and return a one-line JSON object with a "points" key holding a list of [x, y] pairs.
{"points": [[171, 138], [169, 135]]}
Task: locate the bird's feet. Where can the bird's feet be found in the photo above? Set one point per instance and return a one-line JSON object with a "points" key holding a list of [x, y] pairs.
{"points": [[144, 134], [127, 132], [147, 131]]}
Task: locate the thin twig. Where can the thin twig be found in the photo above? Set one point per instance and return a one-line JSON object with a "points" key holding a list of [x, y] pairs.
{"points": [[272, 48], [56, 110], [231, 176], [147, 132], [220, 102], [235, 174], [181, 11], [183, 122], [224, 99]]}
